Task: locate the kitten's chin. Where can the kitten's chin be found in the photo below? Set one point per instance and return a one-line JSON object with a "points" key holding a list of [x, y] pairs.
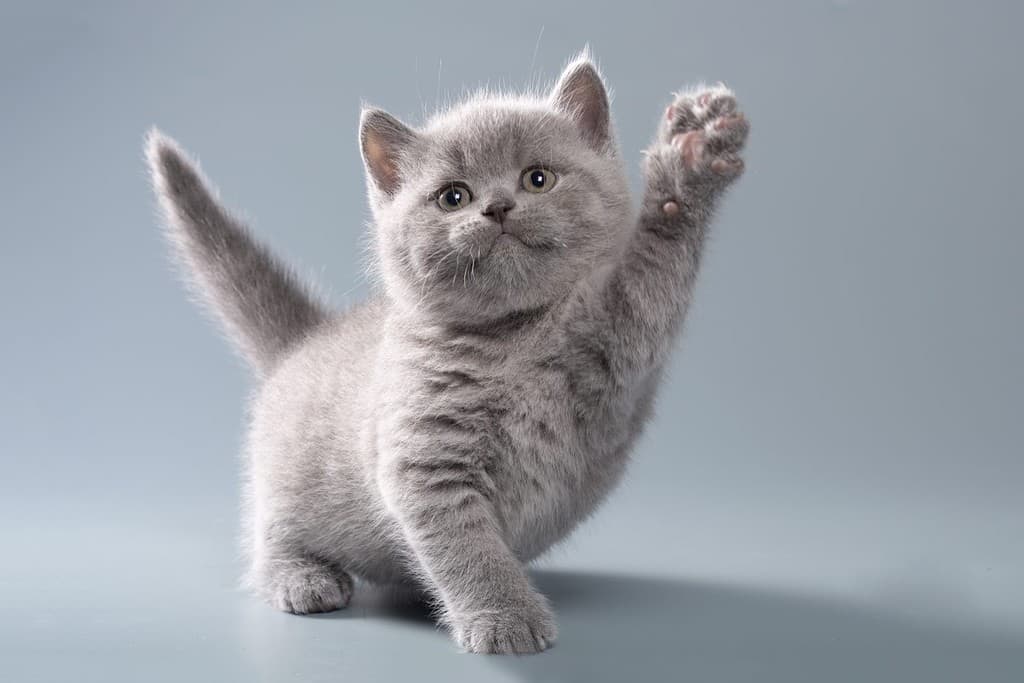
{"points": [[512, 271], [497, 285]]}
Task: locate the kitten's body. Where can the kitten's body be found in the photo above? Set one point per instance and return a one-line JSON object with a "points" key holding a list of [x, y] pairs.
{"points": [[553, 457], [469, 416]]}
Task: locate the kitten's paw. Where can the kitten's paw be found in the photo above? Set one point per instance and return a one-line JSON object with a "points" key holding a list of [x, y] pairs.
{"points": [[306, 588], [706, 129], [525, 629]]}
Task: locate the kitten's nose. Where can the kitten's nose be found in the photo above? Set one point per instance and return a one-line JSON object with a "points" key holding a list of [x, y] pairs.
{"points": [[497, 208]]}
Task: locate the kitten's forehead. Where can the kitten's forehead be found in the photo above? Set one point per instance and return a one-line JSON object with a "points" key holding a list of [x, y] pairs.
{"points": [[483, 134]]}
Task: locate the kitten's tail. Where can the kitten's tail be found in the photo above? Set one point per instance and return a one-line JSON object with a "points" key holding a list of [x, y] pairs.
{"points": [[262, 305]]}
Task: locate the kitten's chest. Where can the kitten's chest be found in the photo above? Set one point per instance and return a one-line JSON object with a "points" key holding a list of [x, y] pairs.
{"points": [[556, 441], [548, 427]]}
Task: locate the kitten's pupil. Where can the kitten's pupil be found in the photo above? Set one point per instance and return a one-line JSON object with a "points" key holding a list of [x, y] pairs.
{"points": [[453, 197], [537, 178]]}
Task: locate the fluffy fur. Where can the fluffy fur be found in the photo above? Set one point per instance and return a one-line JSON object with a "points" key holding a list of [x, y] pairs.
{"points": [[485, 400]]}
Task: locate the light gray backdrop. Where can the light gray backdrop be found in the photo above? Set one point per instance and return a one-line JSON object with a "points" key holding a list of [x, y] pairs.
{"points": [[832, 488]]}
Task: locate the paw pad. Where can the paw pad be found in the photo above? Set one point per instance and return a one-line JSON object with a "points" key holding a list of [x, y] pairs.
{"points": [[707, 130]]}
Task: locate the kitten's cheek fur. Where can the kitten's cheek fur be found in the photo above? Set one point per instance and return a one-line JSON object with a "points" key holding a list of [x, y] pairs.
{"points": [[442, 437]]}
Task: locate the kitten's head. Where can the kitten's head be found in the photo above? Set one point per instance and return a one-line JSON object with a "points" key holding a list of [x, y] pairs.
{"points": [[500, 204]]}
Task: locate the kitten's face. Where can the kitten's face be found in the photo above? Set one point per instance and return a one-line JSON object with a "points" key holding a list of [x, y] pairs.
{"points": [[498, 205]]}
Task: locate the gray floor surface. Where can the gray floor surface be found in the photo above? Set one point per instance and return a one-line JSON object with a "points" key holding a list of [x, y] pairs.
{"points": [[151, 597]]}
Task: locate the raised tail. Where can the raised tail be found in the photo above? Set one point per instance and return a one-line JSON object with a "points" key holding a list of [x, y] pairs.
{"points": [[263, 306]]}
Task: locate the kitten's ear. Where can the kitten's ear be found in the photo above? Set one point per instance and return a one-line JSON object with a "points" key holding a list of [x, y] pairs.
{"points": [[580, 92], [382, 139]]}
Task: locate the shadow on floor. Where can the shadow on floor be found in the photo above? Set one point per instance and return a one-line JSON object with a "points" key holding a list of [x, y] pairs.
{"points": [[623, 628], [633, 629]]}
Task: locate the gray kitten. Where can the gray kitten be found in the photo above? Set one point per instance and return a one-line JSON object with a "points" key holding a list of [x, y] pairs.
{"points": [[470, 414]]}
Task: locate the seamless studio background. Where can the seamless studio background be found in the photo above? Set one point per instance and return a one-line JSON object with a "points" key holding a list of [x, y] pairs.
{"points": [[831, 490]]}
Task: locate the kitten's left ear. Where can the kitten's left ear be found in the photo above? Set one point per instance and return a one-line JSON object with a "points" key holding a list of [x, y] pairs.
{"points": [[581, 94]]}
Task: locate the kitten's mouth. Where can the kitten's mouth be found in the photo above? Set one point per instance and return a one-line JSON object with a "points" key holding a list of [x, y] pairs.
{"points": [[505, 239], [534, 242], [509, 236]]}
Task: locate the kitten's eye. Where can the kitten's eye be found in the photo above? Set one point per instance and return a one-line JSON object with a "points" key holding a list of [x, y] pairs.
{"points": [[538, 180], [454, 198]]}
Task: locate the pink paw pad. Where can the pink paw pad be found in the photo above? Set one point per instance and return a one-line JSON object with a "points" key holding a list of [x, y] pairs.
{"points": [[723, 166], [692, 146], [727, 122]]}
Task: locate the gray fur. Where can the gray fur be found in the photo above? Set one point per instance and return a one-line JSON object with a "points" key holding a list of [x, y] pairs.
{"points": [[263, 307], [482, 404]]}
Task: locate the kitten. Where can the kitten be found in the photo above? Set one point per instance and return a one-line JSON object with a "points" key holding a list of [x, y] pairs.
{"points": [[479, 406]]}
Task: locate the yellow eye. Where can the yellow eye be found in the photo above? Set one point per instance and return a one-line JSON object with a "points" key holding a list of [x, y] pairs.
{"points": [[454, 197], [538, 180]]}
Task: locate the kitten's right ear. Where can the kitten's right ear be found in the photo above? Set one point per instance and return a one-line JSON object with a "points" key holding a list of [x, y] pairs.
{"points": [[382, 139]]}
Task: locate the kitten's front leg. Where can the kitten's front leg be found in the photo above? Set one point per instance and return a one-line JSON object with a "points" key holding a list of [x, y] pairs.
{"points": [[693, 159], [442, 497]]}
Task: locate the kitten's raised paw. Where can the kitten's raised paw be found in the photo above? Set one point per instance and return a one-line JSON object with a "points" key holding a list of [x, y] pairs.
{"points": [[306, 588], [522, 630], [708, 131]]}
